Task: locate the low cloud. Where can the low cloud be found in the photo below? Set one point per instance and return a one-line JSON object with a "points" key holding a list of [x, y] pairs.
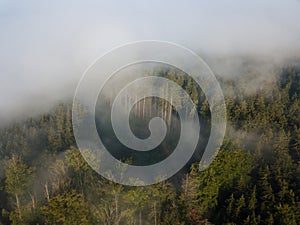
{"points": [[45, 47]]}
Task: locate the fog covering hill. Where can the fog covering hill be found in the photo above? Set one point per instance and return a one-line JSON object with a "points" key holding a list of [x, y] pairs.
{"points": [[255, 178]]}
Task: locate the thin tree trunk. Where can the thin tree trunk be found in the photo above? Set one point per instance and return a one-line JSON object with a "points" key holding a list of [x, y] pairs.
{"points": [[139, 108], [150, 109], [170, 112], [18, 206], [162, 105], [140, 217], [32, 200], [116, 209], [155, 219], [144, 107], [47, 192], [136, 107], [186, 185]]}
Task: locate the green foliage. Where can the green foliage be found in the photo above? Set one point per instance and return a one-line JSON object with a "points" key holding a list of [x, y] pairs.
{"points": [[67, 208], [18, 176], [254, 179]]}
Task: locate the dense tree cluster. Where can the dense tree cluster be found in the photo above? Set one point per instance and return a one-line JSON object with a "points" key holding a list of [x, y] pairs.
{"points": [[255, 179]]}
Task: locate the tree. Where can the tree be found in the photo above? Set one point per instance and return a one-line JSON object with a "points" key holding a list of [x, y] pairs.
{"points": [[285, 215], [67, 208], [83, 176], [18, 178]]}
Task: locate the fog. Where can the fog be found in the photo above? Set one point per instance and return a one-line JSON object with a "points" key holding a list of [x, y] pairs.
{"points": [[46, 46]]}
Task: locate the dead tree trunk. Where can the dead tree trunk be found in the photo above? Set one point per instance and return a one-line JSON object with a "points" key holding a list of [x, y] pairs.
{"points": [[18, 206], [47, 192]]}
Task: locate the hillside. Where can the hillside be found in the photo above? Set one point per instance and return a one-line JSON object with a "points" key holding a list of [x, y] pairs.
{"points": [[255, 178]]}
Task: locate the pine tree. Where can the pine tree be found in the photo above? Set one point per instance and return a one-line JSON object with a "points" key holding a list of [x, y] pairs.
{"points": [[67, 208], [18, 178]]}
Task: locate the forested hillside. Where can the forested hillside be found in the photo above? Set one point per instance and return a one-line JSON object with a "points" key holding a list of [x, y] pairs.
{"points": [[255, 179]]}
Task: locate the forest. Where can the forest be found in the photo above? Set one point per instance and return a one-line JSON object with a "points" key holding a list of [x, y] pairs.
{"points": [[255, 178]]}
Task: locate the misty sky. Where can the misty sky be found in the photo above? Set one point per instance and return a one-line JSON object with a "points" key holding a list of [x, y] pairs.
{"points": [[45, 46]]}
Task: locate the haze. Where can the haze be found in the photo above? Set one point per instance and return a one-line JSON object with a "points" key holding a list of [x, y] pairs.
{"points": [[46, 46]]}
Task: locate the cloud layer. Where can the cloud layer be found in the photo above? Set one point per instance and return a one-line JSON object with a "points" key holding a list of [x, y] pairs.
{"points": [[46, 46]]}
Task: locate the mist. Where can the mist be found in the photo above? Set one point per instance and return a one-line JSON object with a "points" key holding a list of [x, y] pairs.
{"points": [[46, 46]]}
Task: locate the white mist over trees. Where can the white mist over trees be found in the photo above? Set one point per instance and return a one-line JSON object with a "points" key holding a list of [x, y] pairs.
{"points": [[45, 47]]}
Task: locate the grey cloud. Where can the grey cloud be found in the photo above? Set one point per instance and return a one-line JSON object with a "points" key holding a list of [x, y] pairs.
{"points": [[45, 47]]}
